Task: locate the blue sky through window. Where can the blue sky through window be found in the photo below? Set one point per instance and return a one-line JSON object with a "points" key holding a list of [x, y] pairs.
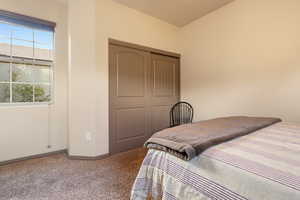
{"points": [[42, 39]]}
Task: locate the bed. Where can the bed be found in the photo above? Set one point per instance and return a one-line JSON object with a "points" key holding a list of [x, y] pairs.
{"points": [[263, 165]]}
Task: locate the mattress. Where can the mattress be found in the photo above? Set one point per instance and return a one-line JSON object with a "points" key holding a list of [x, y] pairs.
{"points": [[264, 165]]}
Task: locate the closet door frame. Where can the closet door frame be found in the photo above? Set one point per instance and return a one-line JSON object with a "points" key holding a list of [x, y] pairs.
{"points": [[141, 48]]}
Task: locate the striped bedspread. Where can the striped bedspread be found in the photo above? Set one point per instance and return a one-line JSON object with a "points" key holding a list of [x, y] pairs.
{"points": [[264, 165]]}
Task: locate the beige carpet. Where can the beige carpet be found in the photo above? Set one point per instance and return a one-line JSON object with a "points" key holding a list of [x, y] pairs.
{"points": [[58, 178]]}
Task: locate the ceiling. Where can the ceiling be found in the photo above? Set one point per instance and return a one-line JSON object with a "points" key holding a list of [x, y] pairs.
{"points": [[63, 1], [176, 12]]}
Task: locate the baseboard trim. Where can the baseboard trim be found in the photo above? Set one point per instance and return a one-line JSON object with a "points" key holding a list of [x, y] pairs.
{"points": [[32, 157], [64, 151], [89, 157]]}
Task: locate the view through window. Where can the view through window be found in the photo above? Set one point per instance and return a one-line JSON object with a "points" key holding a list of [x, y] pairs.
{"points": [[26, 64]]}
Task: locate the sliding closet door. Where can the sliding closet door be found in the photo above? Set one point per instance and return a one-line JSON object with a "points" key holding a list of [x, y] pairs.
{"points": [[164, 89], [129, 95], [142, 88]]}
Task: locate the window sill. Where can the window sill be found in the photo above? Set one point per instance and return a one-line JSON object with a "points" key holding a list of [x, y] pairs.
{"points": [[41, 104]]}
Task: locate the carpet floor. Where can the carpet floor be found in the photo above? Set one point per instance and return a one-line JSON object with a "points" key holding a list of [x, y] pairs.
{"points": [[58, 178]]}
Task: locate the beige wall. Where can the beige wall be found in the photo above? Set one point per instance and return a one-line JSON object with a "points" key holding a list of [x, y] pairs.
{"points": [[91, 23], [243, 59], [24, 129]]}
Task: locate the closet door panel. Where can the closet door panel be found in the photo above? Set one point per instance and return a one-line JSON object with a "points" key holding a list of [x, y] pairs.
{"points": [[160, 118], [142, 89], [164, 89], [128, 74]]}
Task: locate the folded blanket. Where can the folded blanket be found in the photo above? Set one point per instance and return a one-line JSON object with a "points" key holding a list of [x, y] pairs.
{"points": [[189, 140]]}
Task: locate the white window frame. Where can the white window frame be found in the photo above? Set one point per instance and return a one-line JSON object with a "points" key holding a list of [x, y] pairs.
{"points": [[30, 61]]}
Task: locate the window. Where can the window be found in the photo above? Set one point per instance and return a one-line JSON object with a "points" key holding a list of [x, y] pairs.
{"points": [[26, 59]]}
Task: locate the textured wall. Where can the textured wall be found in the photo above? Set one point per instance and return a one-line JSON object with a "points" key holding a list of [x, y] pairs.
{"points": [[91, 24], [25, 129], [243, 59]]}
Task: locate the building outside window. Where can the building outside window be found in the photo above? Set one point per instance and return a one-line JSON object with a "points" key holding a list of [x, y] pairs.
{"points": [[26, 59]]}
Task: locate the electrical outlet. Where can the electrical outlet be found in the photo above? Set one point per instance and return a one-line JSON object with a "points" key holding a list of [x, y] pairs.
{"points": [[88, 136]]}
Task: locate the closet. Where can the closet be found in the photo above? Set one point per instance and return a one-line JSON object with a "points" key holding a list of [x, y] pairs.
{"points": [[144, 83]]}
